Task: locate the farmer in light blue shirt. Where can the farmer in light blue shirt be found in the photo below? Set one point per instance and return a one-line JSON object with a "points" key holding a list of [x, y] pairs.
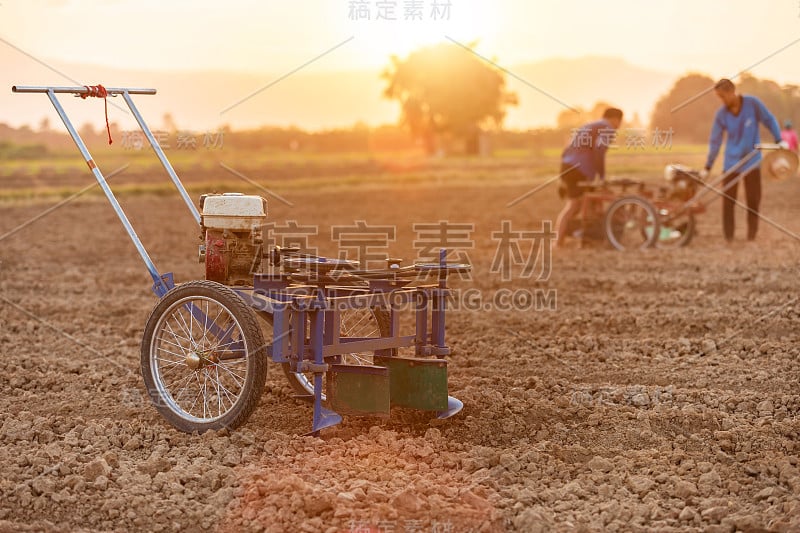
{"points": [[739, 118]]}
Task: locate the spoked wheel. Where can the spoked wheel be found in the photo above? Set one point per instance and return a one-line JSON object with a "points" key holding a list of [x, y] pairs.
{"points": [[675, 230], [354, 323], [631, 223], [203, 357]]}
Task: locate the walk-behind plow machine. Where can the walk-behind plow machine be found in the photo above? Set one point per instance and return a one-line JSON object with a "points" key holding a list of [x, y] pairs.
{"points": [[635, 215], [334, 327]]}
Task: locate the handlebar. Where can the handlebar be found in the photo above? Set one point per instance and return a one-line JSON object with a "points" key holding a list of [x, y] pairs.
{"points": [[768, 146], [78, 90]]}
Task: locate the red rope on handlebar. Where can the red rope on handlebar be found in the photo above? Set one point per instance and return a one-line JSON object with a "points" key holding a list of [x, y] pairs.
{"points": [[98, 91]]}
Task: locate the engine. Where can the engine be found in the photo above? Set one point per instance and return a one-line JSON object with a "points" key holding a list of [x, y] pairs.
{"points": [[230, 227], [683, 182]]}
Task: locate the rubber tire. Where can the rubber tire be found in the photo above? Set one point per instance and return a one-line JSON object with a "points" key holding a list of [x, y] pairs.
{"points": [[256, 356], [641, 202], [381, 316]]}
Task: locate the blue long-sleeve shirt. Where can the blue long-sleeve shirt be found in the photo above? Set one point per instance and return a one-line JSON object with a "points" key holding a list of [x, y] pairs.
{"points": [[588, 147], [742, 132]]}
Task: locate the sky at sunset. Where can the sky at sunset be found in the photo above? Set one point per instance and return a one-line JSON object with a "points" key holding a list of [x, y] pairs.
{"points": [[268, 39]]}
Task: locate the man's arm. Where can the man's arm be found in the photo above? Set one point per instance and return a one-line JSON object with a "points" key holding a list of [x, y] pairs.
{"points": [[715, 142], [769, 120]]}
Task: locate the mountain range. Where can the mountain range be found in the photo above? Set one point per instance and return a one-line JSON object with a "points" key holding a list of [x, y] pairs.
{"points": [[309, 99]]}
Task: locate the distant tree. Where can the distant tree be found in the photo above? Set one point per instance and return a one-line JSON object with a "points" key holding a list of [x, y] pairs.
{"points": [[688, 108], [445, 91], [783, 102]]}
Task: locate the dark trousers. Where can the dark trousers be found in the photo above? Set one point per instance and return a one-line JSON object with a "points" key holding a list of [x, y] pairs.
{"points": [[752, 192]]}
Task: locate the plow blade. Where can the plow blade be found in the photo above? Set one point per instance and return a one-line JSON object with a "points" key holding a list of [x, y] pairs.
{"points": [[359, 389], [417, 383]]}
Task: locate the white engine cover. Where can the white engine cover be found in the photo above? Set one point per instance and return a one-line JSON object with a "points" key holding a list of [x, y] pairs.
{"points": [[671, 171], [234, 211]]}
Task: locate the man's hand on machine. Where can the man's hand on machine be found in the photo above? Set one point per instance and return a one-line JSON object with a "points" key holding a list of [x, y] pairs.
{"points": [[784, 145]]}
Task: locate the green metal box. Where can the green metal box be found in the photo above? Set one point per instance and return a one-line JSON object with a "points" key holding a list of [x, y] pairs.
{"points": [[359, 389], [416, 383]]}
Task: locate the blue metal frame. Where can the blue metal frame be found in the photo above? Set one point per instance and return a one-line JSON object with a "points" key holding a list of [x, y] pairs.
{"points": [[290, 303], [162, 283]]}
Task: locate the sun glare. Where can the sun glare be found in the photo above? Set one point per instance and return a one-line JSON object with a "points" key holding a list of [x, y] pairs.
{"points": [[377, 38]]}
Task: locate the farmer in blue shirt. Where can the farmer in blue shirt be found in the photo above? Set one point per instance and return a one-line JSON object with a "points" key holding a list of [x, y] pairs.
{"points": [[583, 160], [739, 117]]}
